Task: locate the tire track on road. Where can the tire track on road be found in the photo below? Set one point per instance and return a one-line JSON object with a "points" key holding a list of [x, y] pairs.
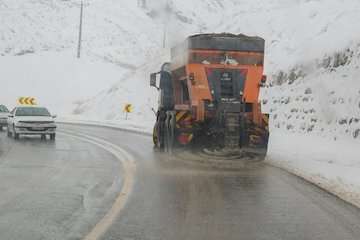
{"points": [[129, 167]]}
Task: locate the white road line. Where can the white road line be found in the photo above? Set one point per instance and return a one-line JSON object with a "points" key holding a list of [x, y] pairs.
{"points": [[129, 167]]}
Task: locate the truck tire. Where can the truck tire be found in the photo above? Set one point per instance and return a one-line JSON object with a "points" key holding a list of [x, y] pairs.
{"points": [[158, 135], [170, 131], [166, 135], [161, 131], [162, 137], [1, 128]]}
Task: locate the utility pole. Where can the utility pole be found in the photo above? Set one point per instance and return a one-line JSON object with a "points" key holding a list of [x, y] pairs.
{"points": [[166, 22], [164, 36], [80, 29]]}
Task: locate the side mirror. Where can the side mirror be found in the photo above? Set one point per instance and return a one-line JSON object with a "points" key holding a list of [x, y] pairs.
{"points": [[153, 80]]}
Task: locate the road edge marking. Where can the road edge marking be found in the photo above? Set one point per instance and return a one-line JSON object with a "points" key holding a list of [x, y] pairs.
{"points": [[129, 168]]}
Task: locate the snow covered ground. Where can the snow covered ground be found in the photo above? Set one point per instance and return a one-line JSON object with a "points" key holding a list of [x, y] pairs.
{"points": [[38, 43], [315, 122], [57, 80], [312, 60]]}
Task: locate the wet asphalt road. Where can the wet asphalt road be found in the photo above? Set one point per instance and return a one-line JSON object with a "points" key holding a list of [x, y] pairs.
{"points": [[54, 190], [59, 190]]}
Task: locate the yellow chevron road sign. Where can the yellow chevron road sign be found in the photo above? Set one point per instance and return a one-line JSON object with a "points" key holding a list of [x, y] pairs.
{"points": [[27, 101], [128, 108]]}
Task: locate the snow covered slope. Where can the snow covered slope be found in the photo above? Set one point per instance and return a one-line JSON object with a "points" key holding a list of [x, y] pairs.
{"points": [[315, 122], [127, 34], [38, 43], [57, 80]]}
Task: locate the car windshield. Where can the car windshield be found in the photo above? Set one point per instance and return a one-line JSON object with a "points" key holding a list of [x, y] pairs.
{"points": [[29, 111], [3, 109]]}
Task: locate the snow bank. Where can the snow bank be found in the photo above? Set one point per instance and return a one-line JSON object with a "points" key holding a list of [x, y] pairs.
{"points": [[332, 165], [113, 124], [315, 122]]}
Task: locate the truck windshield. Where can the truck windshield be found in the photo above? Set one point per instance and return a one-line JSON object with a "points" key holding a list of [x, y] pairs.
{"points": [[3, 109], [30, 111]]}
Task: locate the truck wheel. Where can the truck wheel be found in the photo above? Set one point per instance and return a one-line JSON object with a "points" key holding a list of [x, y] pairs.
{"points": [[161, 131], [158, 135], [166, 135], [52, 136], [1, 128], [162, 137], [170, 131], [43, 137]]}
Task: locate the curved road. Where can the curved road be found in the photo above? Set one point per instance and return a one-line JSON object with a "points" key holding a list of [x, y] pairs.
{"points": [[62, 190]]}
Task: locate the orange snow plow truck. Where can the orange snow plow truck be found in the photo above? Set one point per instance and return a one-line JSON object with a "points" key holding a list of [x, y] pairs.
{"points": [[209, 94]]}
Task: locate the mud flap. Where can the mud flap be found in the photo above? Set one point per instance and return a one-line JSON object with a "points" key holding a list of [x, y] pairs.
{"points": [[232, 130]]}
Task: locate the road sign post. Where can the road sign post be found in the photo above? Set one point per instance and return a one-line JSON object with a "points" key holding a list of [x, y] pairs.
{"points": [[128, 108]]}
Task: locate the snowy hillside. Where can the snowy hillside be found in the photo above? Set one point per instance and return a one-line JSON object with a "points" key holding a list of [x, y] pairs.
{"points": [[42, 36], [116, 31], [126, 34], [288, 27], [57, 80], [315, 122]]}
